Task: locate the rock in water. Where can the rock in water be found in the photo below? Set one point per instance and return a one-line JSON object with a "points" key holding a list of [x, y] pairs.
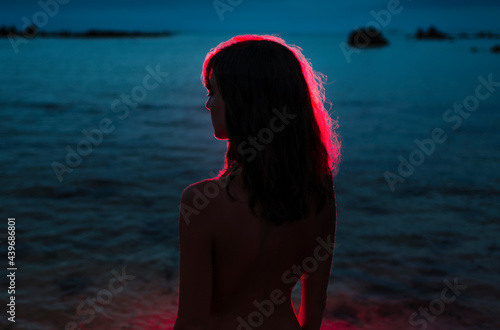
{"points": [[367, 37], [432, 33]]}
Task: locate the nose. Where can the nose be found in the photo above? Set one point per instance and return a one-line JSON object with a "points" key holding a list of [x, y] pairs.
{"points": [[207, 104]]}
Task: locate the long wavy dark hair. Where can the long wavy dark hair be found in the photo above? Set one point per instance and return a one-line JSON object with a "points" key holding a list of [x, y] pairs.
{"points": [[279, 133]]}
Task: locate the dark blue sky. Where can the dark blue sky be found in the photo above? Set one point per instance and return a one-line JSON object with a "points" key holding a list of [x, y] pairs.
{"points": [[255, 15]]}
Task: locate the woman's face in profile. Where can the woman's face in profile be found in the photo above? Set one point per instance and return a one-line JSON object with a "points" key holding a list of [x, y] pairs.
{"points": [[217, 107]]}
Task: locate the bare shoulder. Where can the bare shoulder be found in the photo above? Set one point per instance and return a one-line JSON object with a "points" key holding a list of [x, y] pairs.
{"points": [[202, 200], [204, 191]]}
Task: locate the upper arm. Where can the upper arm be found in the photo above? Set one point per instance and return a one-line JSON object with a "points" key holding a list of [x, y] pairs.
{"points": [[314, 283], [195, 269]]}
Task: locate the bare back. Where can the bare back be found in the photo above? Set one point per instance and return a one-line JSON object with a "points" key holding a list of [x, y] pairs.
{"points": [[256, 264]]}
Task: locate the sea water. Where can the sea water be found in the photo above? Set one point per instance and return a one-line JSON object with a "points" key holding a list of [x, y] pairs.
{"points": [[91, 205]]}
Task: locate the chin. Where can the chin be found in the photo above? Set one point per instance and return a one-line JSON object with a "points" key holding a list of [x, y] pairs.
{"points": [[220, 135]]}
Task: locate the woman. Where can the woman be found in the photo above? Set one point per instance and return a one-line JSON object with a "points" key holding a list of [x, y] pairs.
{"points": [[269, 218]]}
